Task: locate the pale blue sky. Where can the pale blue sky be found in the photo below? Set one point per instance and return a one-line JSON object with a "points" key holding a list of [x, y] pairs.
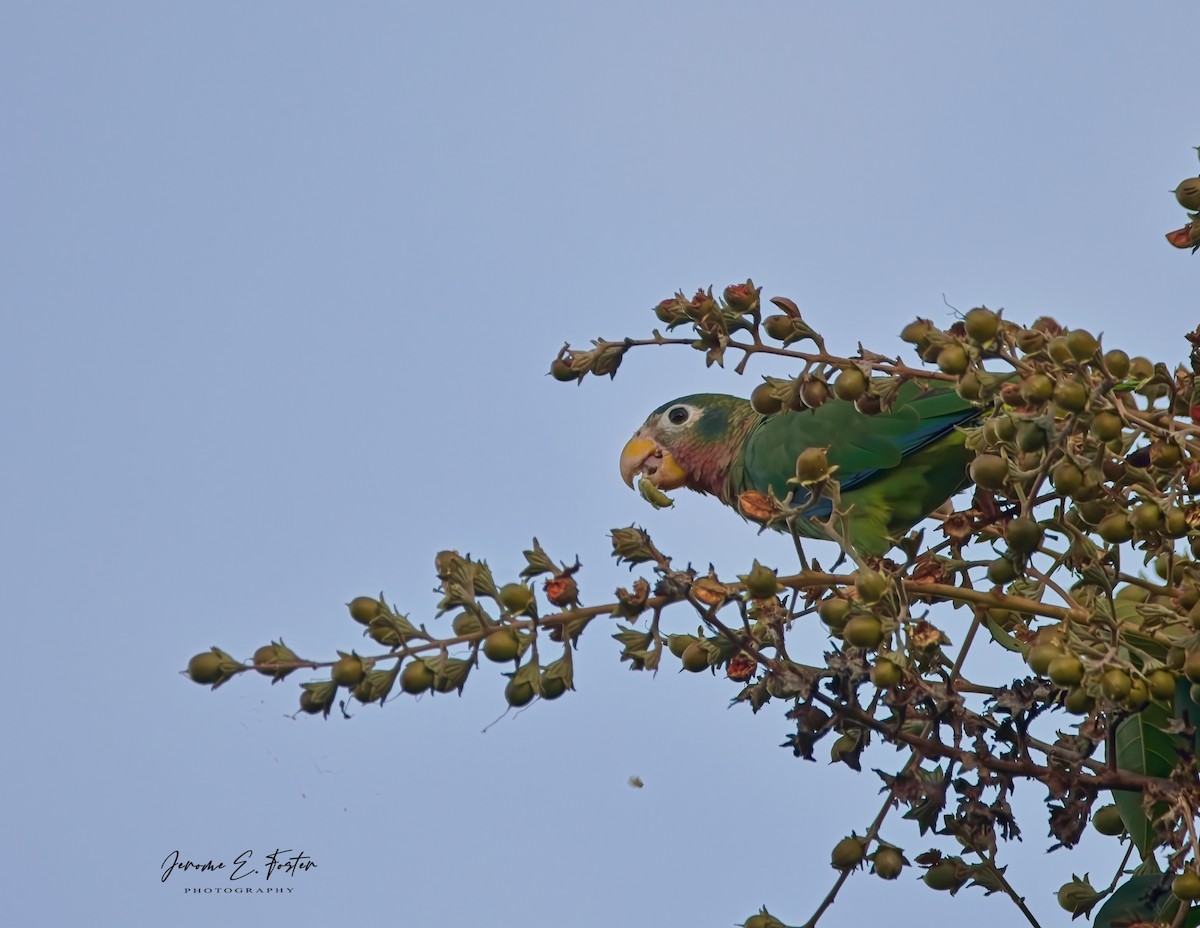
{"points": [[280, 284]]}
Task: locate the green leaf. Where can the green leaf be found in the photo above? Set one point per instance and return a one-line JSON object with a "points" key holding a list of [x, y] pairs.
{"points": [[1000, 636], [1142, 747], [1139, 899], [538, 562], [654, 496]]}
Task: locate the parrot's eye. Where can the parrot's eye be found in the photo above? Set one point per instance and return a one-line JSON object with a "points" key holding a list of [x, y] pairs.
{"points": [[677, 415]]}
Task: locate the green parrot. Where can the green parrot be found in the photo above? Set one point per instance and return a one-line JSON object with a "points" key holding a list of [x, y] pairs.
{"points": [[894, 468]]}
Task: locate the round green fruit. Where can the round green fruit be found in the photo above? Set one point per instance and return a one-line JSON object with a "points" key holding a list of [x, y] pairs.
{"points": [[466, 624], [1141, 368], [1116, 684], [1040, 657], [1163, 567], [679, 643], [1106, 425], [870, 584], [518, 693], [1031, 340], [502, 645], [888, 862], [833, 612], [1165, 455], [764, 400], [1058, 349], [761, 582], [863, 631], [1031, 436], [1037, 388], [695, 658], [1066, 477], [814, 393], [1082, 344], [981, 323], [265, 655], [309, 703], [999, 429], [1107, 821], [1070, 396], [1139, 695], [363, 609], [553, 686], [1133, 594], [1065, 670], [916, 331], [850, 385], [1146, 517], [953, 359], [1175, 524], [204, 668], [1023, 536], [1115, 529], [1191, 666], [1117, 362], [1093, 511], [886, 673], [517, 598], [416, 677], [989, 471], [1002, 570], [1188, 195], [1078, 702], [348, 672], [779, 327], [847, 854], [1186, 886], [812, 464], [561, 371], [762, 920], [943, 876], [970, 387], [1161, 684]]}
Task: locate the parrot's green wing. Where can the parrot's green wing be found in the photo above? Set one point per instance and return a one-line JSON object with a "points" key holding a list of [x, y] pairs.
{"points": [[894, 468]]}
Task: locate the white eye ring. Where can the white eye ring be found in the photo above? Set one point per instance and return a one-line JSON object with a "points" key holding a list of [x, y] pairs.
{"points": [[678, 415]]}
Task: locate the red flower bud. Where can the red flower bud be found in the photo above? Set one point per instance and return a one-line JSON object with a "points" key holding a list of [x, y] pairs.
{"points": [[741, 668], [562, 591]]}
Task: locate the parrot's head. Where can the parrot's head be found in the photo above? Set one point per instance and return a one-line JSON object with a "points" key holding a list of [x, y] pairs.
{"points": [[689, 442]]}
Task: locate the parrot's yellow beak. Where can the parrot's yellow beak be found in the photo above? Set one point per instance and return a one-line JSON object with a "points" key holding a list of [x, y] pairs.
{"points": [[642, 455]]}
